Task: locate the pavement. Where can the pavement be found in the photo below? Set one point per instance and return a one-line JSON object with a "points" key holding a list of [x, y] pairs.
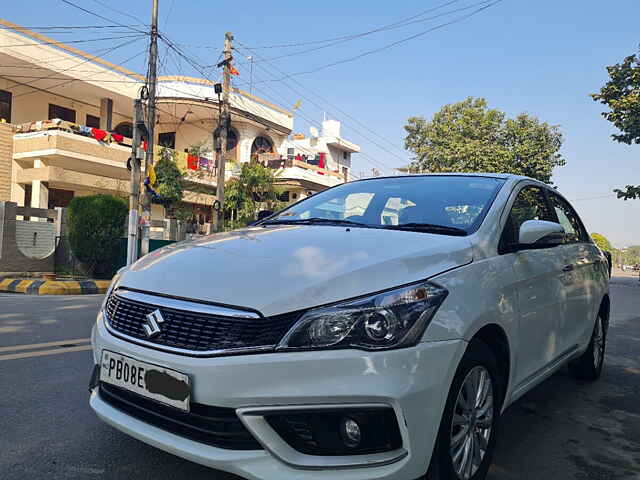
{"points": [[562, 430]]}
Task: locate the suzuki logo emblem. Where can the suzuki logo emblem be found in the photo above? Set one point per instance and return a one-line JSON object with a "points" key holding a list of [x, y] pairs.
{"points": [[152, 325]]}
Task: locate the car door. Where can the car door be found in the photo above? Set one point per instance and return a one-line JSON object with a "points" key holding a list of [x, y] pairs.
{"points": [[583, 266], [540, 287]]}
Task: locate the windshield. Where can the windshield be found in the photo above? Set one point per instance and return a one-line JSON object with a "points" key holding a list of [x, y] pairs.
{"points": [[456, 203]]}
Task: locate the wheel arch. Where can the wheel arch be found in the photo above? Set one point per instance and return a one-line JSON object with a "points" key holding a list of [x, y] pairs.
{"points": [[495, 337]]}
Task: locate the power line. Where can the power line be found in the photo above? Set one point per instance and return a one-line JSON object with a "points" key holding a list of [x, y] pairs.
{"points": [[68, 2], [302, 114], [56, 43], [69, 28], [321, 107], [81, 63], [595, 197], [126, 14], [389, 45], [381, 29]]}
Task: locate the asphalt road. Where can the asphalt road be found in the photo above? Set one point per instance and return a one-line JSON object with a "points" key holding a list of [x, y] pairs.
{"points": [[562, 430]]}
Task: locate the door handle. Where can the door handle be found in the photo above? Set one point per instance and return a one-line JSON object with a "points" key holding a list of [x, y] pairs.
{"points": [[567, 268]]}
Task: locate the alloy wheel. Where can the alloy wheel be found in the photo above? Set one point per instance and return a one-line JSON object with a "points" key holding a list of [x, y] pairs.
{"points": [[472, 422]]}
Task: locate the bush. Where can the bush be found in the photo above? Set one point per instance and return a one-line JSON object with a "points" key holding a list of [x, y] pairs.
{"points": [[169, 180], [96, 223]]}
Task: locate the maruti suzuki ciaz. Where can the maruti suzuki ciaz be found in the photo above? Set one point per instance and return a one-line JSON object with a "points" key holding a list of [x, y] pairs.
{"points": [[375, 330]]}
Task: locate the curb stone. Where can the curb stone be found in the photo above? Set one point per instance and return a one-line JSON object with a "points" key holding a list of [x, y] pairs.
{"points": [[53, 287]]}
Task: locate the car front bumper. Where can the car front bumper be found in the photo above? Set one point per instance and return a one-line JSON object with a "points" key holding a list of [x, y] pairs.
{"points": [[413, 381]]}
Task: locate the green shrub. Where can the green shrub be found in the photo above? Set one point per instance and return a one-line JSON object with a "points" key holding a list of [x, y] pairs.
{"points": [[169, 180], [96, 223]]}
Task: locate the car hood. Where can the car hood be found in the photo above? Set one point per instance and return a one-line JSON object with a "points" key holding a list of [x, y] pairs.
{"points": [[279, 269]]}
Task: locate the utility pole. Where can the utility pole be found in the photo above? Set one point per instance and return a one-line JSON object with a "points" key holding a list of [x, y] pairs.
{"points": [[224, 120], [151, 122], [137, 154]]}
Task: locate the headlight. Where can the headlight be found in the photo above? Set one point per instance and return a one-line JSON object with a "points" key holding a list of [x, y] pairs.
{"points": [[393, 319], [112, 286]]}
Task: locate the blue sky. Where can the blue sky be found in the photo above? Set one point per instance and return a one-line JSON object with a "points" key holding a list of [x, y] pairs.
{"points": [[541, 57]]}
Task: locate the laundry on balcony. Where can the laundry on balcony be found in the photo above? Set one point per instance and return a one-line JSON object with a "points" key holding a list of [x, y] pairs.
{"points": [[58, 124]]}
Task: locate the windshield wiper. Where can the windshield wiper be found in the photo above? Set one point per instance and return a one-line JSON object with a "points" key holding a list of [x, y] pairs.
{"points": [[313, 221], [428, 228]]}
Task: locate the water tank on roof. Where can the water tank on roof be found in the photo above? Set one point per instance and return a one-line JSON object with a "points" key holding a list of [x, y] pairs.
{"points": [[331, 128]]}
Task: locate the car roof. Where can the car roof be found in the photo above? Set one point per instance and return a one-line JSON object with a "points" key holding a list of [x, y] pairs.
{"points": [[505, 176]]}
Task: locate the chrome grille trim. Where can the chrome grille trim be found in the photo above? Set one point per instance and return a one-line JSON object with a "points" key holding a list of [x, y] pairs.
{"points": [[177, 304], [187, 306]]}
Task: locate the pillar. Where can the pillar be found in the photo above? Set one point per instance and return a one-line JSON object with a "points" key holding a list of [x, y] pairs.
{"points": [[106, 114]]}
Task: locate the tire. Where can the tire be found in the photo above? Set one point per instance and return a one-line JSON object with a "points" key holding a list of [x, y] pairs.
{"points": [[451, 445], [588, 366]]}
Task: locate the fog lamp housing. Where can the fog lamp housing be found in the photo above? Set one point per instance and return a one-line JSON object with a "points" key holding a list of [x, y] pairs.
{"points": [[339, 431]]}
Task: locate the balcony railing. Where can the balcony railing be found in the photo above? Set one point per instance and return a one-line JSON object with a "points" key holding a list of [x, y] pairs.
{"points": [[300, 169]]}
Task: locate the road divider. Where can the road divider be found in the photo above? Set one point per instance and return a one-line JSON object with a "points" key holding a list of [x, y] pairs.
{"points": [[53, 287]]}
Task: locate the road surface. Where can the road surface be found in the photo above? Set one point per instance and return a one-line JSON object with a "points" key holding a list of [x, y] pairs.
{"points": [[562, 430]]}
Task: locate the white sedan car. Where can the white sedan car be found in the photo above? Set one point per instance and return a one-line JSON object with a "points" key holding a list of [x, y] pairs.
{"points": [[376, 330]]}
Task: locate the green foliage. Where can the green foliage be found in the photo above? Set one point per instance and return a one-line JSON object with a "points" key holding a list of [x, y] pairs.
{"points": [[96, 224], [468, 136], [169, 179], [622, 95], [252, 190], [602, 242], [629, 193]]}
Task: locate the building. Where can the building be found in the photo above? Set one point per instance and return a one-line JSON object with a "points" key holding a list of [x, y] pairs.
{"points": [[66, 123], [306, 160]]}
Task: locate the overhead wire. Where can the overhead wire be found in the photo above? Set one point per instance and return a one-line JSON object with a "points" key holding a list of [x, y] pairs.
{"points": [[321, 107], [80, 63], [90, 12], [389, 45], [55, 42], [302, 114], [381, 29], [121, 12]]}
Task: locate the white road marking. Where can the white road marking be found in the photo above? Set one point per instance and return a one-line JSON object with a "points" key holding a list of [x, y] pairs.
{"points": [[41, 353], [35, 346]]}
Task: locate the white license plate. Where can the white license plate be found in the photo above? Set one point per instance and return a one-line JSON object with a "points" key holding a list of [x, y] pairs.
{"points": [[151, 381]]}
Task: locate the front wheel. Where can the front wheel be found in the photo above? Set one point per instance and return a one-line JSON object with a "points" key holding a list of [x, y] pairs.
{"points": [[588, 366], [467, 435]]}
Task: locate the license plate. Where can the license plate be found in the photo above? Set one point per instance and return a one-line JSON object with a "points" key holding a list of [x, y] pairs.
{"points": [[151, 381]]}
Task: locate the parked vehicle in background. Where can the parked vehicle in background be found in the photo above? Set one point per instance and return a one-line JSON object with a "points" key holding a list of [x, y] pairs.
{"points": [[381, 344]]}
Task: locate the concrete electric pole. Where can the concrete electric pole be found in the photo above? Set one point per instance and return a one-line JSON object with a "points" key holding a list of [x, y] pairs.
{"points": [[137, 154], [224, 121], [151, 121]]}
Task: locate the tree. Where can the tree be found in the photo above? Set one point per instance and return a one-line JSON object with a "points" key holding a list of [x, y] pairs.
{"points": [[169, 179], [622, 95], [251, 190], [96, 224], [468, 136], [602, 242]]}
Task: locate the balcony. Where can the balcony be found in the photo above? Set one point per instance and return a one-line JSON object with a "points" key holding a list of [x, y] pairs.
{"points": [[303, 172], [52, 152], [59, 147]]}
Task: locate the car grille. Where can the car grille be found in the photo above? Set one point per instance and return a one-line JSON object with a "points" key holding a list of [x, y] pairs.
{"points": [[194, 331], [216, 426]]}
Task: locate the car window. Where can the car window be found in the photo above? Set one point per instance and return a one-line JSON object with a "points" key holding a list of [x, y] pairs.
{"points": [[530, 204], [452, 201], [568, 218]]}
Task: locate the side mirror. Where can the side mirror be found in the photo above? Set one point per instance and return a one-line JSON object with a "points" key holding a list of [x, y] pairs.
{"points": [[540, 234], [262, 214]]}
